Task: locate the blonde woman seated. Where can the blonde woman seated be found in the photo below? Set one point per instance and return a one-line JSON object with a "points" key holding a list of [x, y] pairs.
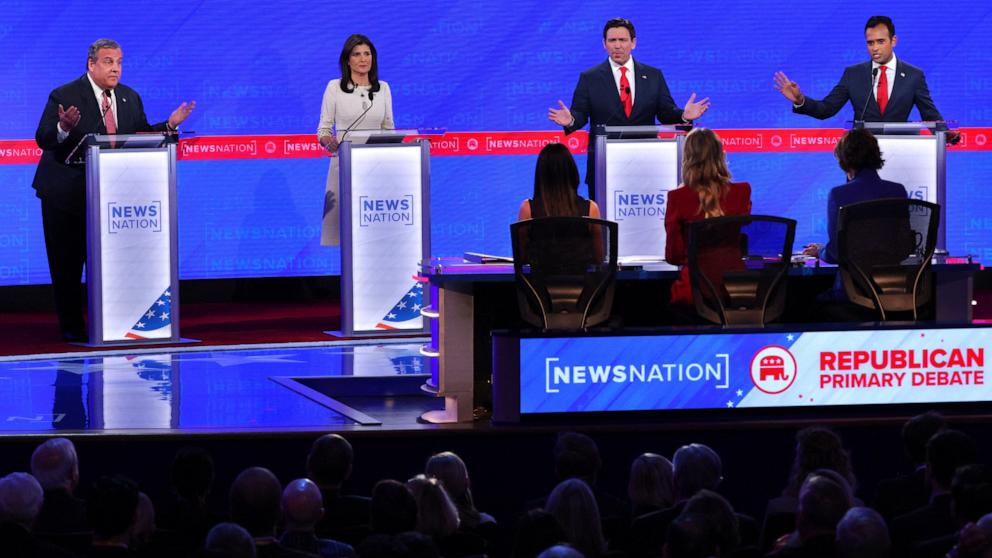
{"points": [[706, 192]]}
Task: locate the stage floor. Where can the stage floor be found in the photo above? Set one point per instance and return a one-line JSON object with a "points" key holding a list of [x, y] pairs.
{"points": [[325, 386]]}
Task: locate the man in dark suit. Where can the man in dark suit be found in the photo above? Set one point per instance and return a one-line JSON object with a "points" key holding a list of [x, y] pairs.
{"points": [[95, 103], [882, 89], [621, 92]]}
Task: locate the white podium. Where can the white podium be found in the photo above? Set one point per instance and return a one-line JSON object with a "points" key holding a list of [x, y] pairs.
{"points": [[385, 232], [132, 258], [635, 169]]}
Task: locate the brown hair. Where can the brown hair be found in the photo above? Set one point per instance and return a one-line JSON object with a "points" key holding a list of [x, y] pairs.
{"points": [[704, 169]]}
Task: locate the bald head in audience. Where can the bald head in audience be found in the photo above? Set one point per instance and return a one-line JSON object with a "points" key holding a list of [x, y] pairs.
{"points": [[20, 499], [330, 460], [55, 465], [255, 501], [302, 506]]}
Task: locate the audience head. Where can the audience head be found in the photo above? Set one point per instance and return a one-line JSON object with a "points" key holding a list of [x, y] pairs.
{"points": [[112, 507], [560, 551], [650, 483], [537, 530], [723, 521], [975, 540], [330, 460], [556, 180], [823, 501], [21, 498], [858, 150], [946, 451], [144, 521], [917, 431], [862, 533], [450, 470], [393, 508], [572, 503], [55, 465], [971, 493], [818, 448], [577, 456], [704, 169], [408, 544], [192, 473], [302, 505], [231, 541], [695, 467], [436, 513], [690, 535], [255, 501]]}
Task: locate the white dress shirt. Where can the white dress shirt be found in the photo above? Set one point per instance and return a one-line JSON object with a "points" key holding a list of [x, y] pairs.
{"points": [[630, 76], [890, 74]]}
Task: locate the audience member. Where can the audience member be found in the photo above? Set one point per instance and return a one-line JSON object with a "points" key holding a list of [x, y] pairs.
{"points": [[690, 536], [651, 485], [187, 512], [823, 501], [55, 465], [302, 509], [908, 491], [572, 503], [229, 540], [724, 525], [946, 451], [975, 540], [112, 508], [862, 533], [255, 505], [409, 544], [20, 504], [451, 471], [394, 509], [329, 465], [437, 517], [971, 499], [561, 551], [537, 530], [577, 456]]}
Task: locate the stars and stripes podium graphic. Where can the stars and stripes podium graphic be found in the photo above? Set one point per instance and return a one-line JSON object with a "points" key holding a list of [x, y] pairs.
{"points": [[404, 313], [156, 322]]}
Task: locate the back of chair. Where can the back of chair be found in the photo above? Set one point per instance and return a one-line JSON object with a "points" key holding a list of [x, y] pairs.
{"points": [[884, 249], [565, 269], [737, 267]]}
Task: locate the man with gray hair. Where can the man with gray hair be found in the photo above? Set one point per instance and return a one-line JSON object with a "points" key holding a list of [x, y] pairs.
{"points": [[20, 502], [96, 102], [302, 508], [862, 533], [55, 465]]}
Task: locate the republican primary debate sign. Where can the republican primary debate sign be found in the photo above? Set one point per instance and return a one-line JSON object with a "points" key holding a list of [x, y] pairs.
{"points": [[728, 370]]}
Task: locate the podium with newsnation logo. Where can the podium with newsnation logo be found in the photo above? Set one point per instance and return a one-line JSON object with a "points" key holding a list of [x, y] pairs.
{"points": [[385, 232], [635, 169], [132, 259], [916, 161]]}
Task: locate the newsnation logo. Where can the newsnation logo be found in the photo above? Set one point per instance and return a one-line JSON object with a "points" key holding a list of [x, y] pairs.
{"points": [[558, 374], [374, 211], [134, 217], [639, 204]]}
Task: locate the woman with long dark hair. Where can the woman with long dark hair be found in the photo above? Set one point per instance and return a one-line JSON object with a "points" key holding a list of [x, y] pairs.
{"points": [[358, 100], [556, 185], [706, 192]]}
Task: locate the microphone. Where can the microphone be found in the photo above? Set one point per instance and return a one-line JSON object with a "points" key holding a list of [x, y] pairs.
{"points": [[874, 74], [357, 120]]}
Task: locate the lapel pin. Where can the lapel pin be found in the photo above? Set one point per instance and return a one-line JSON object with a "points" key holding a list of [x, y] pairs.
{"points": [[902, 74], [124, 99], [644, 77]]}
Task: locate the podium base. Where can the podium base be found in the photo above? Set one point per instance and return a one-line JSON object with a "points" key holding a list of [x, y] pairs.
{"points": [[385, 333], [136, 343]]}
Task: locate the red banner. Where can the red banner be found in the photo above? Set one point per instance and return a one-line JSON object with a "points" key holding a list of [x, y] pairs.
{"points": [[458, 144]]}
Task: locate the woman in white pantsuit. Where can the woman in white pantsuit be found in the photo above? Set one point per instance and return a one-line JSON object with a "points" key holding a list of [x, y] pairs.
{"points": [[356, 101]]}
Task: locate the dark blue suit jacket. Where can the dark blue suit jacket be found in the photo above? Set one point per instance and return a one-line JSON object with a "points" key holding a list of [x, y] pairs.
{"points": [[65, 185], [597, 100], [909, 90], [866, 185]]}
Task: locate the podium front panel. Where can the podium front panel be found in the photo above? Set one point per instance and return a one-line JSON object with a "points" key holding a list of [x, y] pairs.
{"points": [[911, 161], [133, 244], [383, 237], [634, 191]]}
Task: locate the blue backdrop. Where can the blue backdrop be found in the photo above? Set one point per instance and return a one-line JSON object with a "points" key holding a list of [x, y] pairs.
{"points": [[261, 67]]}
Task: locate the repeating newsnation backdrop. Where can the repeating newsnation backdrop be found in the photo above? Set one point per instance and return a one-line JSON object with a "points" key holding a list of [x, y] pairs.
{"points": [[258, 70]]}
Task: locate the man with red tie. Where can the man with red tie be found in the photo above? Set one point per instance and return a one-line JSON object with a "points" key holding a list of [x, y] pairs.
{"points": [[882, 89], [95, 103], [621, 92]]}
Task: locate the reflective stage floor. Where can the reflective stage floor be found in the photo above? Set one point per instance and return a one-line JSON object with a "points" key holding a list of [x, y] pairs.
{"points": [[336, 385]]}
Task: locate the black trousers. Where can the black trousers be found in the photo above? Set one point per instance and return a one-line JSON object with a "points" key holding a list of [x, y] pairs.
{"points": [[65, 244]]}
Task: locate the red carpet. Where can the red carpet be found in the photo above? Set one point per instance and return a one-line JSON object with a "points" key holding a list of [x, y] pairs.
{"points": [[23, 333]]}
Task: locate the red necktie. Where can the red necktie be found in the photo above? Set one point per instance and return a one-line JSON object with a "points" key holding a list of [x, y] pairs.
{"points": [[108, 115], [882, 94], [625, 98]]}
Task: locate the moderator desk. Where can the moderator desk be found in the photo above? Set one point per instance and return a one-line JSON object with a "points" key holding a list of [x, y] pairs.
{"points": [[457, 294]]}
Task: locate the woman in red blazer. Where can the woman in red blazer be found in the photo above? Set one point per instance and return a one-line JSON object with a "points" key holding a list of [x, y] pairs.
{"points": [[706, 192]]}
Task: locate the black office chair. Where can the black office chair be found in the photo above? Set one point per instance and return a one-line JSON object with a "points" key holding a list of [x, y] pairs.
{"points": [[738, 266], [884, 249], [565, 269]]}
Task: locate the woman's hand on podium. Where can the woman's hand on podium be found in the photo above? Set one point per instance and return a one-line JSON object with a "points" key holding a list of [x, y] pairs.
{"points": [[330, 143]]}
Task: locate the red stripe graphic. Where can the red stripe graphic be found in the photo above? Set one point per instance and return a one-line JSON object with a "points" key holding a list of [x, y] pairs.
{"points": [[458, 144]]}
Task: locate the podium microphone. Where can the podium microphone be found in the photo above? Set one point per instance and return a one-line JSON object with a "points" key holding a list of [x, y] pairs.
{"points": [[874, 74], [357, 120]]}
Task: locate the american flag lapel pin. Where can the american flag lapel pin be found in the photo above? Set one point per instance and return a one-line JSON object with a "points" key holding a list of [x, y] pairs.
{"points": [[902, 74]]}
